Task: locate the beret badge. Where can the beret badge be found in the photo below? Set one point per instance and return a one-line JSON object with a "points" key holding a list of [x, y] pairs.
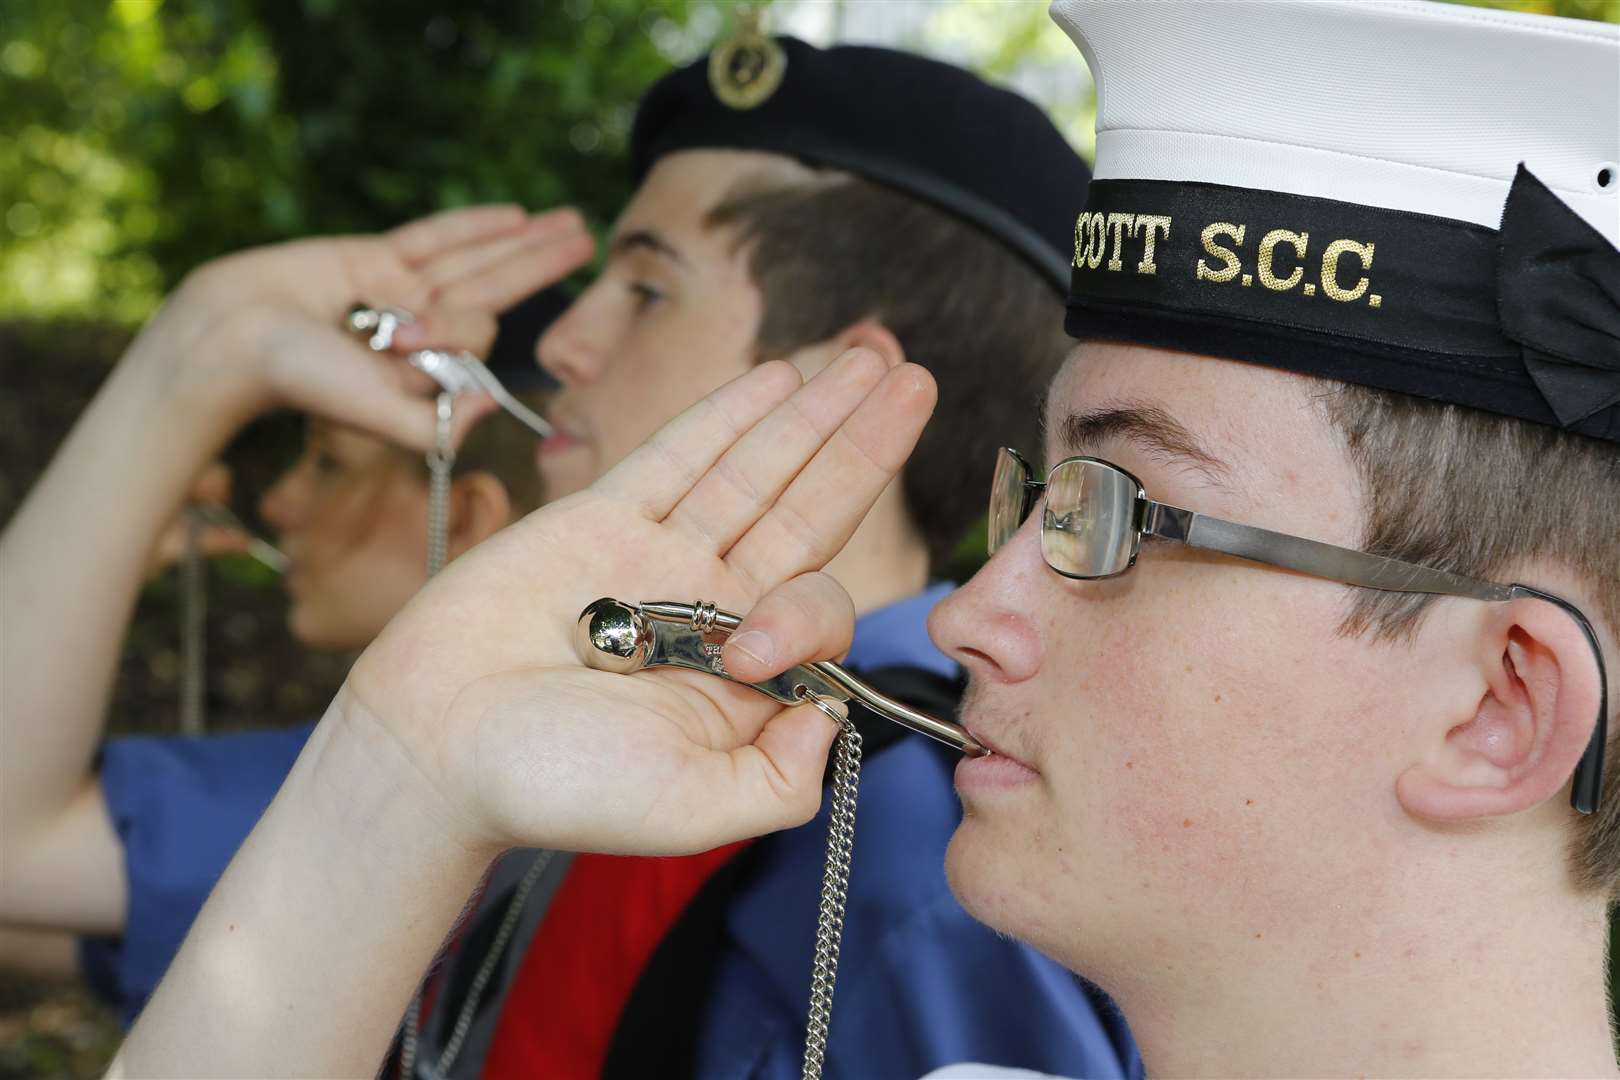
{"points": [[746, 68]]}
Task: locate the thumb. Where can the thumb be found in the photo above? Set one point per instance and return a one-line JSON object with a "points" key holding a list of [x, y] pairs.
{"points": [[223, 540], [406, 419], [780, 773], [411, 421], [470, 411]]}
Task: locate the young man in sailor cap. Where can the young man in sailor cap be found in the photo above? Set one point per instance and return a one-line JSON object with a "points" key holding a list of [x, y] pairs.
{"points": [[1294, 662], [793, 203]]}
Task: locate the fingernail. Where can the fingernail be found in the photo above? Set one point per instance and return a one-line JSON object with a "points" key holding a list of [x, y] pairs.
{"points": [[756, 645]]}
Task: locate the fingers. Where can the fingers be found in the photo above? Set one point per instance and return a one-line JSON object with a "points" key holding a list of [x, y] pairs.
{"points": [[398, 407], [412, 422], [449, 328], [814, 517], [658, 474], [211, 540], [497, 273], [749, 476], [522, 273], [222, 540], [420, 240], [808, 618]]}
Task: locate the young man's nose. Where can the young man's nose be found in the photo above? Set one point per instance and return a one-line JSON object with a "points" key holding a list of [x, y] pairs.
{"points": [[567, 350], [988, 625]]}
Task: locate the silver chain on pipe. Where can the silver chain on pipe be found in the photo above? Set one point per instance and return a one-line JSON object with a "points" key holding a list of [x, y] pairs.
{"points": [[834, 890], [441, 460], [486, 970], [193, 631]]}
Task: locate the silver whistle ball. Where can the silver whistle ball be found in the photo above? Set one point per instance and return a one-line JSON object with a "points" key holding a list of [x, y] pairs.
{"points": [[613, 636]]}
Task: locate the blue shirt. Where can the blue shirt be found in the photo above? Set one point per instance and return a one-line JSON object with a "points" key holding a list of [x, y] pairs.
{"points": [[920, 983], [181, 807]]}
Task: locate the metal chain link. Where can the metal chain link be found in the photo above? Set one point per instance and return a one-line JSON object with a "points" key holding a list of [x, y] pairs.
{"points": [[834, 891], [441, 460], [193, 631], [486, 970]]}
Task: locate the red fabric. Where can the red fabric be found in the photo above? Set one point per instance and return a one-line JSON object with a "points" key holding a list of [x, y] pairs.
{"points": [[603, 925]]}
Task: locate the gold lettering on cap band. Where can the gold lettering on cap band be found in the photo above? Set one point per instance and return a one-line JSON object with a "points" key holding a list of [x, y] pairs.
{"points": [[1118, 223], [1228, 257], [1330, 271], [1268, 244], [1151, 225], [1098, 234]]}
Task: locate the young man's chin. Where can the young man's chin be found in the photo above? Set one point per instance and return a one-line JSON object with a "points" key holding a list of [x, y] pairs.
{"points": [[980, 866]]}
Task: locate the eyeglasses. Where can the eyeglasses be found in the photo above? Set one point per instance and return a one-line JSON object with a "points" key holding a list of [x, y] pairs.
{"points": [[1096, 514]]}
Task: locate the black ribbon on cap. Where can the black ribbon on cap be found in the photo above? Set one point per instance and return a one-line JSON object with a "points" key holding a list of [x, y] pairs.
{"points": [[1523, 321], [1558, 298]]}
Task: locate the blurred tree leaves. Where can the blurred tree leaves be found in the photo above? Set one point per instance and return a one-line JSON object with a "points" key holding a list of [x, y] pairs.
{"points": [[139, 138]]}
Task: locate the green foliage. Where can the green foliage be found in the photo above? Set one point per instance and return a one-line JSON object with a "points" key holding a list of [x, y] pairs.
{"points": [[1600, 10], [146, 137]]}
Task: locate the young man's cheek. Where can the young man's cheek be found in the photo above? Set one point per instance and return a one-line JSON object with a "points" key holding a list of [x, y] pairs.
{"points": [[1177, 743]]}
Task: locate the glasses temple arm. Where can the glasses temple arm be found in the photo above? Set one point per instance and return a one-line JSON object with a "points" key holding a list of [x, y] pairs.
{"points": [[1587, 788], [1311, 556], [1391, 575]]}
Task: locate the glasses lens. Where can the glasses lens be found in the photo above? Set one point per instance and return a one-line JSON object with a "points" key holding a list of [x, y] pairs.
{"points": [[1006, 498], [1089, 529]]}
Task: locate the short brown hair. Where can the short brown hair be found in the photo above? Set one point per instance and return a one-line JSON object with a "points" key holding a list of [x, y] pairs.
{"points": [[1474, 493], [837, 249]]}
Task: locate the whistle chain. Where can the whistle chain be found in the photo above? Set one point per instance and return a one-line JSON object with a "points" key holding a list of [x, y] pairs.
{"points": [[614, 636], [834, 895], [441, 462]]}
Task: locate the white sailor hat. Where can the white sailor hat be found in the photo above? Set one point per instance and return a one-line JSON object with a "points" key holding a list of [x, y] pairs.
{"points": [[1419, 197]]}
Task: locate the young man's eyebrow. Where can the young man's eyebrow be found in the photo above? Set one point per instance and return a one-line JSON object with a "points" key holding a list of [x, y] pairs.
{"points": [[1148, 427], [647, 240]]}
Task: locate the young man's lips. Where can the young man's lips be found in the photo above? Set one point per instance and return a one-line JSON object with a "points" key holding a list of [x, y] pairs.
{"points": [[996, 751], [993, 771], [997, 769], [557, 442]]}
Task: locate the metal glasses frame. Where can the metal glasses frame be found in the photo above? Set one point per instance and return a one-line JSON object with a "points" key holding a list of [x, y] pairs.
{"points": [[1328, 561]]}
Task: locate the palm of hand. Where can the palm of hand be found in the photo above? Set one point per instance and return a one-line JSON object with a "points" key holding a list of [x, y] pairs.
{"points": [[478, 679], [267, 323]]}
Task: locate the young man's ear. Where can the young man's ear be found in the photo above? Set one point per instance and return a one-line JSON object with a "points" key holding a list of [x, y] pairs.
{"points": [[868, 333], [479, 505], [1529, 729]]}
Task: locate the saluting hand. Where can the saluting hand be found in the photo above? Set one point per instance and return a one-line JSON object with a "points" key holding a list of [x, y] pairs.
{"points": [[262, 329], [739, 500]]}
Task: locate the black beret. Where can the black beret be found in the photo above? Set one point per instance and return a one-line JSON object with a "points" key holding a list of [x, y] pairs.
{"points": [[929, 129]]}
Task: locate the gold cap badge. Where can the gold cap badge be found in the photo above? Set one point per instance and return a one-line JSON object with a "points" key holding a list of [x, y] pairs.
{"points": [[746, 68]]}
